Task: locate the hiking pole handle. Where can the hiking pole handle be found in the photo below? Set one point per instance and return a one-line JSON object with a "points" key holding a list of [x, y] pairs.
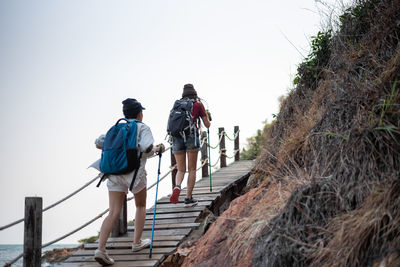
{"points": [[160, 150]]}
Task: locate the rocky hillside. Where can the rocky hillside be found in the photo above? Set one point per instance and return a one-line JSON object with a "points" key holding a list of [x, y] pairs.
{"points": [[326, 189]]}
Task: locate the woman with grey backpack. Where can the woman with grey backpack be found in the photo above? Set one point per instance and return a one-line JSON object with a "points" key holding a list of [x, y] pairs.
{"points": [[185, 139]]}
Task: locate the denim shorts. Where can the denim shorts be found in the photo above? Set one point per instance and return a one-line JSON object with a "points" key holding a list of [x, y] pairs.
{"points": [[179, 145]]}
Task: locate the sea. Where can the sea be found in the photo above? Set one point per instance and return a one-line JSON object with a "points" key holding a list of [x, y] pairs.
{"points": [[10, 252]]}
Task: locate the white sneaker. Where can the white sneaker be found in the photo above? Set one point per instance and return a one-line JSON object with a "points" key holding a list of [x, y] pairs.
{"points": [[103, 258], [144, 243]]}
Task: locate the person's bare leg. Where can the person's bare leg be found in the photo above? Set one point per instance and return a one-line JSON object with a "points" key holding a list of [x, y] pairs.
{"points": [[140, 216], [116, 200], [181, 162], [192, 163]]}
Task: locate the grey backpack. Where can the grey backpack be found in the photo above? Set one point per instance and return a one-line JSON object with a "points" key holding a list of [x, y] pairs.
{"points": [[180, 121]]}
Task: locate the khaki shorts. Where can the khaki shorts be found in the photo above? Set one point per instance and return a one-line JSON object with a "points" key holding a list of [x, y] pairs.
{"points": [[121, 183]]}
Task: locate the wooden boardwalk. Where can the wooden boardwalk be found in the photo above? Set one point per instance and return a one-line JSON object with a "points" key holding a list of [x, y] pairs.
{"points": [[173, 221]]}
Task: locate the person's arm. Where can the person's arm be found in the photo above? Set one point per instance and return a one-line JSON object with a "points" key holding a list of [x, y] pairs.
{"points": [[206, 121], [146, 143], [204, 116], [148, 152]]}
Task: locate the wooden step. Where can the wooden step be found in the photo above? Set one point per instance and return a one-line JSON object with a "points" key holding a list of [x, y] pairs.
{"points": [[127, 257], [155, 238], [180, 205], [128, 245], [167, 226], [161, 216], [111, 252], [143, 263], [175, 210]]}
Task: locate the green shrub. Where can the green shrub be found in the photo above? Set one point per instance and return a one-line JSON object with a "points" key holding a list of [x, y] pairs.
{"points": [[91, 239], [308, 73], [354, 20], [254, 144]]}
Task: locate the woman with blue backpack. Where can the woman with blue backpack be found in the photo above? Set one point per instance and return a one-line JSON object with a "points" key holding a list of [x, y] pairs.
{"points": [[130, 178], [184, 130]]}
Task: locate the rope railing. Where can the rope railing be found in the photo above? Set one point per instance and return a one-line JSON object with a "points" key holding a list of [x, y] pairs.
{"points": [[87, 223], [204, 162], [217, 145], [56, 203], [63, 199], [230, 157], [215, 164], [234, 136], [62, 237]]}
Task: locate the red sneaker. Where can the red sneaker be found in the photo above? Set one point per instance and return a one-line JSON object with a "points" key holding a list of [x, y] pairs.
{"points": [[175, 195]]}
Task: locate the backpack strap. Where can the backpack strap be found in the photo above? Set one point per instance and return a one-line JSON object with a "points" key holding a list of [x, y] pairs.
{"points": [[122, 119], [136, 171], [102, 178], [135, 174]]}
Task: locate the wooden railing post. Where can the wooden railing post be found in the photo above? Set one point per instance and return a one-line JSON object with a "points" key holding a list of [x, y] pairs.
{"points": [[174, 171], [120, 227], [33, 232], [236, 133], [222, 149], [204, 155]]}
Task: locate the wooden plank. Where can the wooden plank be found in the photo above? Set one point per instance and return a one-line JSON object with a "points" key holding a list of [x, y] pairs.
{"points": [[128, 257], [173, 215], [230, 172], [180, 205], [147, 233], [167, 221], [155, 238], [182, 198], [198, 187], [221, 181], [206, 187], [215, 183], [204, 191], [176, 210], [167, 226], [120, 245], [162, 250], [147, 263], [215, 187], [201, 191], [225, 178], [213, 193]]}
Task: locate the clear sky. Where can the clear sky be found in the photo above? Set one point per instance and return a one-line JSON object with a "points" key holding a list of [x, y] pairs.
{"points": [[65, 67]]}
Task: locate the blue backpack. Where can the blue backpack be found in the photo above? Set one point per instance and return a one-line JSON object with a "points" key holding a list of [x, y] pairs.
{"points": [[120, 153]]}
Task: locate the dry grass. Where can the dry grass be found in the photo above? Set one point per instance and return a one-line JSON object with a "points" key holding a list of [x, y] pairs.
{"points": [[366, 234], [343, 137]]}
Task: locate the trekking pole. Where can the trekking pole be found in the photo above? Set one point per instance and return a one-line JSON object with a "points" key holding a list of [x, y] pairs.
{"points": [[155, 204], [209, 157]]}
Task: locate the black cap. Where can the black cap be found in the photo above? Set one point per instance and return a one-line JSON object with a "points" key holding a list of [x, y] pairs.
{"points": [[131, 107]]}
